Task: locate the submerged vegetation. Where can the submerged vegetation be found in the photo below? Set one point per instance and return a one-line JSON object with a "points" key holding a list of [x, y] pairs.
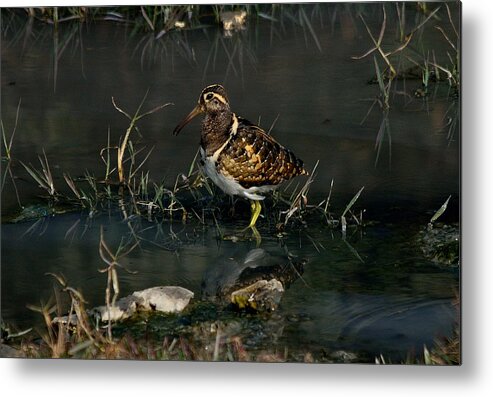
{"points": [[396, 55]]}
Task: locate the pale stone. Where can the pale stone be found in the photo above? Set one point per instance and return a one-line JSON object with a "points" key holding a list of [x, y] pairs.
{"points": [[169, 299], [123, 308], [65, 320]]}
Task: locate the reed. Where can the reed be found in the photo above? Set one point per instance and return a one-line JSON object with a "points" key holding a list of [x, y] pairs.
{"points": [[7, 142], [7, 153], [112, 261], [122, 147], [392, 58], [43, 177]]}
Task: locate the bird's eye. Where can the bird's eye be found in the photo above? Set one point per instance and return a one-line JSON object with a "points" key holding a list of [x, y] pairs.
{"points": [[209, 96]]}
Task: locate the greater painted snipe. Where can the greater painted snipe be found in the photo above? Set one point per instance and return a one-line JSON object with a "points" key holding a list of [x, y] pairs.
{"points": [[240, 157]]}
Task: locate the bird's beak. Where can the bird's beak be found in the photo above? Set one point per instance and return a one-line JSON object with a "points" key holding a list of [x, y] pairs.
{"points": [[195, 112]]}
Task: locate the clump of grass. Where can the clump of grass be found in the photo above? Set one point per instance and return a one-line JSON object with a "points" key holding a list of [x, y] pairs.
{"points": [[90, 192], [43, 177], [299, 198], [452, 71], [294, 206], [154, 18], [64, 338], [122, 147], [75, 334], [112, 285], [392, 59], [446, 351], [378, 42], [392, 64]]}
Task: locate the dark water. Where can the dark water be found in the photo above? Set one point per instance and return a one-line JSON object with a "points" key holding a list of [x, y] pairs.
{"points": [[390, 300]]}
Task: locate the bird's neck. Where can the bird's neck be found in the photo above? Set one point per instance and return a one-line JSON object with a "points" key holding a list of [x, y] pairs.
{"points": [[215, 130]]}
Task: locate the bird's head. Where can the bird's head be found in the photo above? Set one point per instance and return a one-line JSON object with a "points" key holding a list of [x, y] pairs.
{"points": [[213, 99]]}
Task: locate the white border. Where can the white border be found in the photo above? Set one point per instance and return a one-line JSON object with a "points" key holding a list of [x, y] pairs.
{"points": [[473, 378]]}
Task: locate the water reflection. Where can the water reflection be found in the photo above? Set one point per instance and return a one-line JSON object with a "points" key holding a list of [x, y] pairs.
{"points": [[242, 266]]}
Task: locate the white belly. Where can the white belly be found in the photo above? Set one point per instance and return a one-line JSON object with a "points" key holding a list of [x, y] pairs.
{"points": [[227, 184]]}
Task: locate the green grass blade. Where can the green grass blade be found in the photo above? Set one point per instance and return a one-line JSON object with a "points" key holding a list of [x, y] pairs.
{"points": [[35, 176], [353, 200], [440, 211], [379, 76]]}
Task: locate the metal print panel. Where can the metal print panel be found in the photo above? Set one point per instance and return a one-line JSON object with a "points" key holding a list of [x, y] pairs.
{"points": [[266, 183]]}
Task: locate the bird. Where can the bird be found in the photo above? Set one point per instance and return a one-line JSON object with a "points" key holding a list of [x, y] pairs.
{"points": [[237, 155]]}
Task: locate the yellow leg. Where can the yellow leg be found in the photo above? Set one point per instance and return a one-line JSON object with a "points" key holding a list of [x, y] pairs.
{"points": [[256, 208], [257, 236]]}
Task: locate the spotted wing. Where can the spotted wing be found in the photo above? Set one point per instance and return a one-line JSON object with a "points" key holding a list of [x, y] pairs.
{"points": [[254, 158]]}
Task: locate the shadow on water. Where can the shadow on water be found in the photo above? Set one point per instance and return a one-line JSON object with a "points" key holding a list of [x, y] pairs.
{"points": [[372, 291]]}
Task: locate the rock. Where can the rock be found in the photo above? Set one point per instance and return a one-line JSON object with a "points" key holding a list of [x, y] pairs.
{"points": [[38, 211], [164, 299], [262, 295], [344, 356], [123, 308], [30, 213], [71, 321], [286, 273], [441, 244]]}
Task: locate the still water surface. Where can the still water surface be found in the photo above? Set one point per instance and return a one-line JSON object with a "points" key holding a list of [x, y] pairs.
{"points": [[388, 300]]}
